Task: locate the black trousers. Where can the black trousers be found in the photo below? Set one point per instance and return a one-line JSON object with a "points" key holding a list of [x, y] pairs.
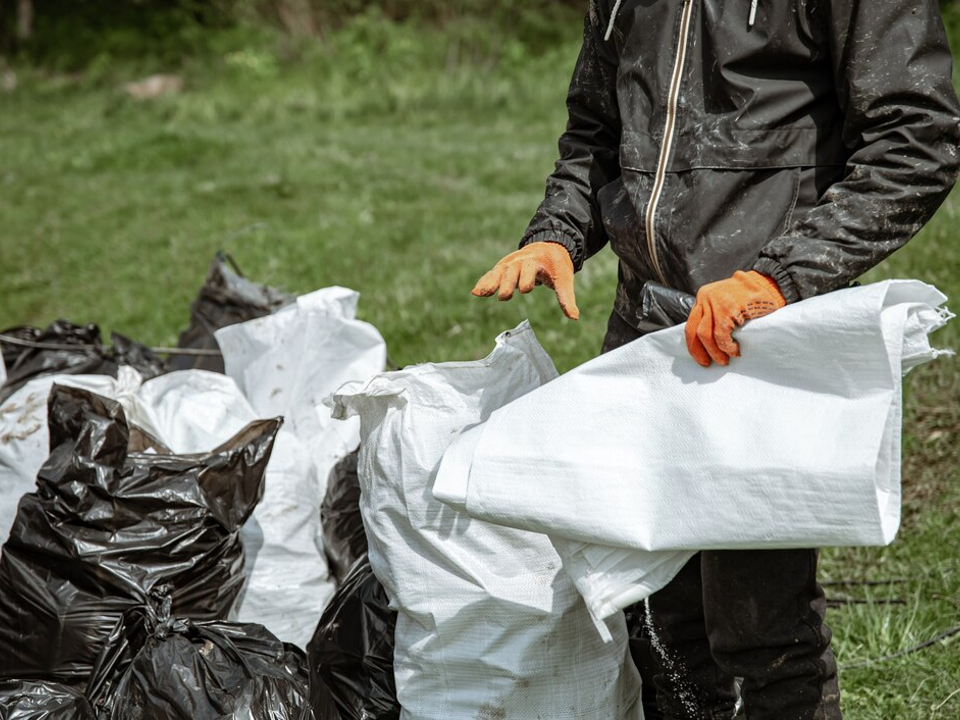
{"points": [[753, 616]]}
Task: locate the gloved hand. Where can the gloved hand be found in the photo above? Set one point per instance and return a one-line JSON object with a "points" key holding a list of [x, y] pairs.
{"points": [[723, 306], [539, 263]]}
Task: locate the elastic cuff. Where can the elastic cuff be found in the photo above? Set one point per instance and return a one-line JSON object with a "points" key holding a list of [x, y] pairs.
{"points": [[776, 272], [559, 237]]}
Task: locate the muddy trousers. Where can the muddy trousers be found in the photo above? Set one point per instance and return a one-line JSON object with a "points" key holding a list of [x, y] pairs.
{"points": [[756, 615], [750, 614]]}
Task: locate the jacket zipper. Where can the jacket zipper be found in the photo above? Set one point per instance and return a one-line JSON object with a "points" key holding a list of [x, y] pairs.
{"points": [[669, 129]]}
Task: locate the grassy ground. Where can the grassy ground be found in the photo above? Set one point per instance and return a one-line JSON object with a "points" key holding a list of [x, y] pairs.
{"points": [[403, 165]]}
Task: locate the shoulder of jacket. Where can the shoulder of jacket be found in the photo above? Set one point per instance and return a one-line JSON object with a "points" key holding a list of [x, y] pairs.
{"points": [[599, 12]]}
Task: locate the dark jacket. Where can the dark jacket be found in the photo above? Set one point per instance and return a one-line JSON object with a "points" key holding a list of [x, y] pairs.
{"points": [[808, 145]]}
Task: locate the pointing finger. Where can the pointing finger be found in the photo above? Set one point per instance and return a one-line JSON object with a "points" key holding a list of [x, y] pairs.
{"points": [[563, 286]]}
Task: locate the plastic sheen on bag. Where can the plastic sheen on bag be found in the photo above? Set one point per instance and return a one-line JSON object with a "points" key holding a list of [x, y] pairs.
{"points": [[42, 700], [112, 517], [225, 298], [287, 583], [156, 665], [82, 353], [351, 653], [25, 443], [344, 538]]}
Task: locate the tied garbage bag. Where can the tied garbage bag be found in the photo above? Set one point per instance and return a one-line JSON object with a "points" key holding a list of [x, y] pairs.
{"points": [[80, 352], [287, 582], [344, 539], [40, 700], [488, 624], [351, 653], [639, 458], [113, 516], [226, 297], [156, 665]]}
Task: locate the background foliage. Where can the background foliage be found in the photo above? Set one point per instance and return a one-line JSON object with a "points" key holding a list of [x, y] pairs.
{"points": [[397, 148]]}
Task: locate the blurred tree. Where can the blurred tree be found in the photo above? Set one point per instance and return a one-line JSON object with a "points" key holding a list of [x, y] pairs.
{"points": [[24, 19]]}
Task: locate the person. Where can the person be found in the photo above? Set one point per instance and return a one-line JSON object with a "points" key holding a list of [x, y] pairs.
{"points": [[754, 153]]}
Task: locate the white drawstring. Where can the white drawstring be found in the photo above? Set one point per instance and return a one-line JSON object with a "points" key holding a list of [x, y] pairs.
{"points": [[753, 12], [613, 19]]}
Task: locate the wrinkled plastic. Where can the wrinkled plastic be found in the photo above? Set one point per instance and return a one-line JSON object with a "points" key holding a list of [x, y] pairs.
{"points": [[40, 700], [107, 523], [286, 364], [344, 538], [351, 653], [226, 298], [88, 356], [155, 665], [662, 307], [287, 583], [24, 440]]}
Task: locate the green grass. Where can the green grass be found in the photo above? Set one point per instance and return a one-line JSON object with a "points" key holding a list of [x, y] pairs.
{"points": [[403, 163]]}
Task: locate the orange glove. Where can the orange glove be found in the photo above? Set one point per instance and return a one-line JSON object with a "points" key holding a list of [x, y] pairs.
{"points": [[723, 306], [539, 263]]}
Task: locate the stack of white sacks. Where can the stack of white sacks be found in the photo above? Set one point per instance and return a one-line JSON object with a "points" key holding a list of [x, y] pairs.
{"points": [[282, 364]]}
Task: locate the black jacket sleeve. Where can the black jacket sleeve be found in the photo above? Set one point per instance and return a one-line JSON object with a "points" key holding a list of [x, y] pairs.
{"points": [[589, 149], [892, 70]]}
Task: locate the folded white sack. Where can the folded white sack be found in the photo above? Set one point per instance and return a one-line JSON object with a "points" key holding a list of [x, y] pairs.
{"points": [[641, 457], [489, 626]]}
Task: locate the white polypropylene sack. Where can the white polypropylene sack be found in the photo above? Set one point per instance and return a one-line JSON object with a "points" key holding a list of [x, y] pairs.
{"points": [[289, 362], [286, 364], [25, 438], [489, 626], [640, 457]]}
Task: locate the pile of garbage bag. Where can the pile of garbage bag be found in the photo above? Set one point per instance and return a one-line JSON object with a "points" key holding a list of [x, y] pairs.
{"points": [[226, 298], [351, 653], [80, 351], [295, 534], [107, 523], [344, 537], [122, 478]]}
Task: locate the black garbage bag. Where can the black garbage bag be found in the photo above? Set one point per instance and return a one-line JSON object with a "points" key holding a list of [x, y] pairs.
{"points": [[39, 700], [226, 298], [157, 665], [81, 352], [662, 307], [107, 524], [344, 537], [351, 652]]}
